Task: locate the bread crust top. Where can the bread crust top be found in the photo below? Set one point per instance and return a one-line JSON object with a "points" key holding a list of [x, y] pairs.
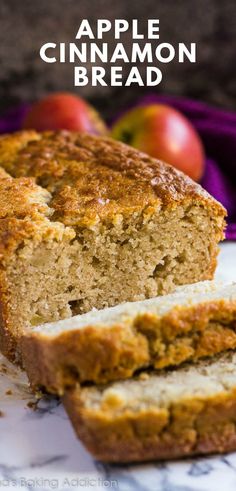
{"points": [[94, 179]]}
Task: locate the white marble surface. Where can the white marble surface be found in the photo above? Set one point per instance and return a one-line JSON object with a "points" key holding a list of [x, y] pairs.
{"points": [[39, 451]]}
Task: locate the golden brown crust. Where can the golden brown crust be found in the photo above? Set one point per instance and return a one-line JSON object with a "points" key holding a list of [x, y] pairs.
{"points": [[102, 354], [95, 178], [197, 425], [21, 198]]}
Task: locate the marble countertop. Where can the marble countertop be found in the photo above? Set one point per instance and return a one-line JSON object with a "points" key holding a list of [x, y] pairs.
{"points": [[39, 451]]}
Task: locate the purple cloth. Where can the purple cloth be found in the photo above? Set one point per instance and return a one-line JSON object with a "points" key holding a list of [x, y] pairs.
{"points": [[218, 132], [12, 119]]}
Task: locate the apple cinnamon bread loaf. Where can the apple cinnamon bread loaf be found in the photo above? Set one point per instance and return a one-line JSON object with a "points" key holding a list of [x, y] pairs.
{"points": [[89, 222], [194, 322], [168, 415]]}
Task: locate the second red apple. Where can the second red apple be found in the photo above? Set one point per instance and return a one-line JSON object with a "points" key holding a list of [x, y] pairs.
{"points": [[164, 133]]}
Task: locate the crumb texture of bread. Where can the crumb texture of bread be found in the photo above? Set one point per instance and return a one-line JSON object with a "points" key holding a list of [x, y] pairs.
{"points": [[190, 411], [195, 322], [89, 222]]}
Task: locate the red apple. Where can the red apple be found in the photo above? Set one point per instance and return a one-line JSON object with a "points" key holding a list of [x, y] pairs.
{"points": [[164, 133], [66, 111]]}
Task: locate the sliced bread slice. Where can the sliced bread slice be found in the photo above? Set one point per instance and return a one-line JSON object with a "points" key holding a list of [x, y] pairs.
{"points": [[194, 322], [159, 416]]}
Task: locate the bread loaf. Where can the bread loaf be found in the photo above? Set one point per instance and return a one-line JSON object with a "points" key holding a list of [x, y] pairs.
{"points": [[89, 222]]}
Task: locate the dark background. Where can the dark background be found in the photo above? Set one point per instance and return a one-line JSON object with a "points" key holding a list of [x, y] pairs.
{"points": [[26, 25]]}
